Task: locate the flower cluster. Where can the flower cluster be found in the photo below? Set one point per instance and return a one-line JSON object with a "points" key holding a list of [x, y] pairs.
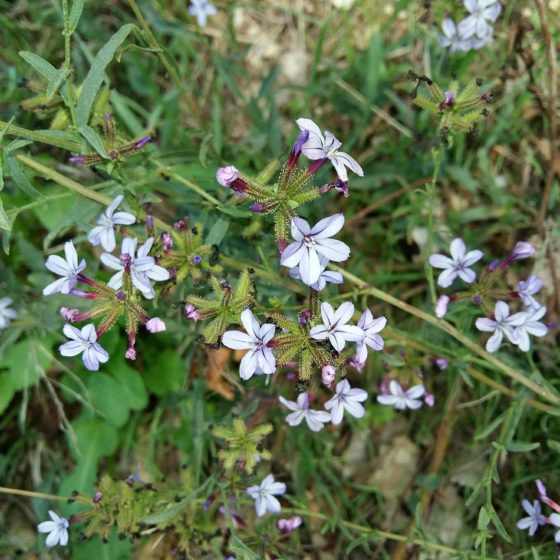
{"points": [[474, 31], [136, 270], [535, 517], [490, 292]]}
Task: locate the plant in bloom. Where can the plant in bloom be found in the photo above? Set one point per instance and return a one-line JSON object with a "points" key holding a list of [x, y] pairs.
{"points": [[315, 419], [348, 400], [322, 148], [68, 269], [401, 399], [534, 518], [531, 325], [57, 530], [265, 494], [312, 243], [104, 233], [526, 289], [202, 9], [84, 342], [370, 327], [334, 327], [325, 276], [453, 37], [140, 267], [259, 358], [503, 324], [6, 314], [482, 14], [457, 265]]}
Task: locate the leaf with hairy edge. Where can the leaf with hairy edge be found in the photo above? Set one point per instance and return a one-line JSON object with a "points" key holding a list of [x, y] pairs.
{"points": [[96, 74], [75, 13]]}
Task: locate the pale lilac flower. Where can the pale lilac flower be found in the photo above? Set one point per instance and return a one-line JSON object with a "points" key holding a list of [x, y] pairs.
{"points": [[290, 524], [535, 517], [531, 325], [441, 363], [457, 265], [502, 324], [155, 325], [527, 289], [6, 314], [141, 267], [57, 530], [441, 306], [84, 341], [452, 37], [346, 399], [324, 277], [311, 243], [555, 520], [334, 326], [259, 358], [482, 14], [401, 399], [314, 418], [69, 269], [202, 9], [103, 233], [319, 147], [522, 250], [264, 495], [227, 175], [328, 375], [429, 399], [477, 43], [370, 328]]}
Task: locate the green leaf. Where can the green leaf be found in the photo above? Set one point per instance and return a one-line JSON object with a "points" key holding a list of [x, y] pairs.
{"points": [[54, 84], [75, 13], [521, 446], [6, 391], [96, 74], [235, 212], [105, 395], [25, 364], [166, 373], [242, 551], [46, 69], [132, 389], [5, 222], [20, 178], [218, 231], [94, 140]]}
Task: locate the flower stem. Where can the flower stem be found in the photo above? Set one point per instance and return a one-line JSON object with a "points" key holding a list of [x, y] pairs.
{"points": [[16, 492], [430, 195]]}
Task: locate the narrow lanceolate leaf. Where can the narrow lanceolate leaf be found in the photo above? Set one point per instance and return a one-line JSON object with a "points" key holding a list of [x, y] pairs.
{"points": [[55, 83], [20, 178], [4, 220], [96, 74], [45, 68], [94, 140], [75, 13]]}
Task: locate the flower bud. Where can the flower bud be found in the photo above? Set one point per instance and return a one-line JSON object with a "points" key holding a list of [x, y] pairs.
{"points": [[227, 175], [191, 312], [155, 325], [441, 306], [328, 374]]}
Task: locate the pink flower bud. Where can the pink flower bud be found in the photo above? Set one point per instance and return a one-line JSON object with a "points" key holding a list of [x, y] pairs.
{"points": [[328, 374], [441, 306], [130, 353], [191, 312], [288, 525], [70, 315], [155, 325]]}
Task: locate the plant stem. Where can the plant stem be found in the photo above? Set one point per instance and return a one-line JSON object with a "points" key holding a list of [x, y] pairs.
{"points": [[67, 34], [451, 330], [16, 492], [377, 534], [430, 195]]}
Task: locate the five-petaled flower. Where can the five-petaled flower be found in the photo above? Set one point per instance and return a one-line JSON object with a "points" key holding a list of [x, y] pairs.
{"points": [[526, 289], [401, 399], [315, 419], [531, 325], [319, 147], [502, 324], [103, 233], [68, 269], [535, 517], [202, 9], [140, 266], [311, 243], [57, 530], [259, 358], [457, 265], [555, 520], [370, 328], [346, 399], [264, 495], [84, 341], [334, 326], [6, 314]]}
